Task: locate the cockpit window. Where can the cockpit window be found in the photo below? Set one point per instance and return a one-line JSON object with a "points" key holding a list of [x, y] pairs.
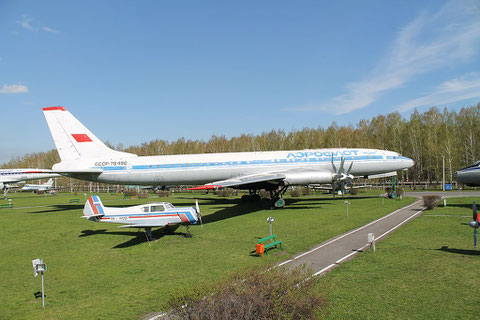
{"points": [[476, 164], [146, 209], [157, 208]]}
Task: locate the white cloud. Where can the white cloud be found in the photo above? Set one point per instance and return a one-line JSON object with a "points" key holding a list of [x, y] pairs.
{"points": [[26, 22], [48, 29], [458, 89], [13, 88], [431, 41]]}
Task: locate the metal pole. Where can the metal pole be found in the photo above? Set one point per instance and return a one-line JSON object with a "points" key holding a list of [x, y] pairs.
{"points": [[43, 293], [443, 173]]}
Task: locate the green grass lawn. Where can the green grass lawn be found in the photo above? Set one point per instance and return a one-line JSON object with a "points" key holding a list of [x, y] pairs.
{"points": [[425, 270], [99, 271]]}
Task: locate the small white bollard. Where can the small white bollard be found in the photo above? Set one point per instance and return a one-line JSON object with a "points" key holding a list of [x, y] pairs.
{"points": [[444, 202], [347, 203], [371, 241]]}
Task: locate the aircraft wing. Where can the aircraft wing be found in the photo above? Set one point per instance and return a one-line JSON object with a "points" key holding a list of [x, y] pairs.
{"points": [[79, 171], [383, 175], [243, 180], [158, 225]]}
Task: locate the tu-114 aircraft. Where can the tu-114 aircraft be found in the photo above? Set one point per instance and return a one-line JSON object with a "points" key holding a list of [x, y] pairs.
{"points": [[9, 176], [84, 156]]}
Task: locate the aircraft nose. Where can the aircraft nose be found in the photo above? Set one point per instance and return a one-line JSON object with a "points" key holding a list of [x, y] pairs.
{"points": [[409, 162]]}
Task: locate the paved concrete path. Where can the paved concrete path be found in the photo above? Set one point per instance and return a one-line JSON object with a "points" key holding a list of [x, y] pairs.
{"points": [[342, 248]]}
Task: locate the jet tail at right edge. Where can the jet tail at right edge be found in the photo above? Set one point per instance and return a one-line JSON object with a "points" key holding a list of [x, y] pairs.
{"points": [[73, 140]]}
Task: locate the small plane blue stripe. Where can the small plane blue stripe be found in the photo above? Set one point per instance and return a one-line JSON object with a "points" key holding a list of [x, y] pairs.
{"points": [[190, 216]]}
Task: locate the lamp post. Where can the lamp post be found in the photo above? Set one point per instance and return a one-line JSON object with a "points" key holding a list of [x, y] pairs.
{"points": [[443, 173]]}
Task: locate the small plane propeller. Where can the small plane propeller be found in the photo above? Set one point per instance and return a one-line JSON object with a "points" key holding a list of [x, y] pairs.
{"points": [[340, 177], [474, 224], [199, 215]]}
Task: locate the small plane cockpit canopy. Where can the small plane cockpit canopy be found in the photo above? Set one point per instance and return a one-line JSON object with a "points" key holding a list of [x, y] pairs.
{"points": [[158, 207]]}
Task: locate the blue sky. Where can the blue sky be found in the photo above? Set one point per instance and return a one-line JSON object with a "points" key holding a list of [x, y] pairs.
{"points": [[133, 71]]}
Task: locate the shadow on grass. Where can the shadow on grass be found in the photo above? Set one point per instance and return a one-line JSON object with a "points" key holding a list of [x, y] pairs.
{"points": [[138, 236], [461, 205], [59, 207], [467, 252]]}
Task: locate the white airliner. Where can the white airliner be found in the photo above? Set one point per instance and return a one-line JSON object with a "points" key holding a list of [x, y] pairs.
{"points": [[39, 187], [9, 176], [84, 156]]}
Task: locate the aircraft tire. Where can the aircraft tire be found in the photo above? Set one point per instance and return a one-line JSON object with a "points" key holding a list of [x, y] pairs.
{"points": [[245, 198], [255, 197]]}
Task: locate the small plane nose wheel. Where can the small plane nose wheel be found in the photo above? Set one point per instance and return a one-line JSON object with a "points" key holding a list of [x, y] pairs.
{"points": [[188, 235]]}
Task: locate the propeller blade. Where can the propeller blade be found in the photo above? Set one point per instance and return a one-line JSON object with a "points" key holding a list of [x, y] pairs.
{"points": [[199, 215], [349, 168], [475, 216], [333, 166], [342, 161], [197, 207]]}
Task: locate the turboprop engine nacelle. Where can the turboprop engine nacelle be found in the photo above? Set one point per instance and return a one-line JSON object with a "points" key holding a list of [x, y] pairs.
{"points": [[308, 177]]}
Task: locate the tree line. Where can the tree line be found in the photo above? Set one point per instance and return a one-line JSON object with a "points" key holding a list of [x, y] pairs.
{"points": [[427, 138]]}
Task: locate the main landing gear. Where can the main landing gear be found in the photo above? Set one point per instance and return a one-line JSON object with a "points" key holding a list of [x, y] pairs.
{"points": [[275, 200]]}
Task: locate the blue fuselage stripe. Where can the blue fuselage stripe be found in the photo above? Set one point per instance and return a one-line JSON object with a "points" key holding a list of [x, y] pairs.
{"points": [[243, 163]]}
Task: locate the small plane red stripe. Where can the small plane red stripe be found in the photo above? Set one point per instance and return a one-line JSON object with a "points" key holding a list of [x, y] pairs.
{"points": [[81, 137], [94, 208], [183, 217], [209, 187], [54, 108]]}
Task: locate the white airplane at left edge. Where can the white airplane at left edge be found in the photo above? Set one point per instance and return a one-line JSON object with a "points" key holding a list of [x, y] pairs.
{"points": [[84, 156], [39, 187], [9, 176]]}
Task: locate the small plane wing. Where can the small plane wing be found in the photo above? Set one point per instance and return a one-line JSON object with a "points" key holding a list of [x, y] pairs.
{"points": [[243, 180], [153, 225]]}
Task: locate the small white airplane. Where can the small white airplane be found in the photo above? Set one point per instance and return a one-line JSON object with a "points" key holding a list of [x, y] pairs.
{"points": [[9, 176], [39, 187], [147, 216], [84, 156]]}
